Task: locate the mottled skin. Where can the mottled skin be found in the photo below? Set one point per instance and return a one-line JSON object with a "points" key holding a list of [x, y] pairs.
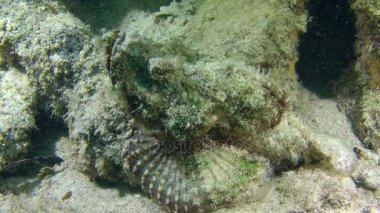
{"points": [[172, 89]]}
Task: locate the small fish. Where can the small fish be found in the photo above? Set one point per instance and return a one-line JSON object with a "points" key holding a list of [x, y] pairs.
{"points": [[14, 167], [67, 195]]}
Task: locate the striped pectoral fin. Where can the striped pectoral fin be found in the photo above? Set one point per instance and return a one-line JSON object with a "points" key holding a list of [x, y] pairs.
{"points": [[175, 194], [161, 181], [169, 189], [175, 202], [148, 171], [154, 177], [133, 155], [186, 201], [165, 193], [162, 176], [142, 163], [189, 207]]}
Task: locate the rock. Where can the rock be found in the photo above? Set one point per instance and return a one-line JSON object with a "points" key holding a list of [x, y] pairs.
{"points": [[316, 190], [368, 119], [335, 154], [18, 108], [367, 175]]}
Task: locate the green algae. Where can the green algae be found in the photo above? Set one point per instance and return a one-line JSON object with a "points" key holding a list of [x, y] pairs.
{"points": [[247, 169]]}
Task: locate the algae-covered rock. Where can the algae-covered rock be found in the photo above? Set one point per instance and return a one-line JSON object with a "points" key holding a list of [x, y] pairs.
{"points": [[368, 121], [335, 154], [194, 103], [67, 69], [367, 68], [260, 34], [18, 109], [367, 175], [316, 190], [46, 48]]}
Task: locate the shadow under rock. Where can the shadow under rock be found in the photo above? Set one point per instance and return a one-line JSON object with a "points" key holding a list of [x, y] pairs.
{"points": [[108, 14], [123, 188], [27, 173]]}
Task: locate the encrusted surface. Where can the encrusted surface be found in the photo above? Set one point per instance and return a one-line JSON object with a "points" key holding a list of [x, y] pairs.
{"points": [[198, 110]]}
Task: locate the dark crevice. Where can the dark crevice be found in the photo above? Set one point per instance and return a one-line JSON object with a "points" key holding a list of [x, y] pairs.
{"points": [[43, 142], [122, 188], [326, 50], [48, 132], [23, 175]]}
